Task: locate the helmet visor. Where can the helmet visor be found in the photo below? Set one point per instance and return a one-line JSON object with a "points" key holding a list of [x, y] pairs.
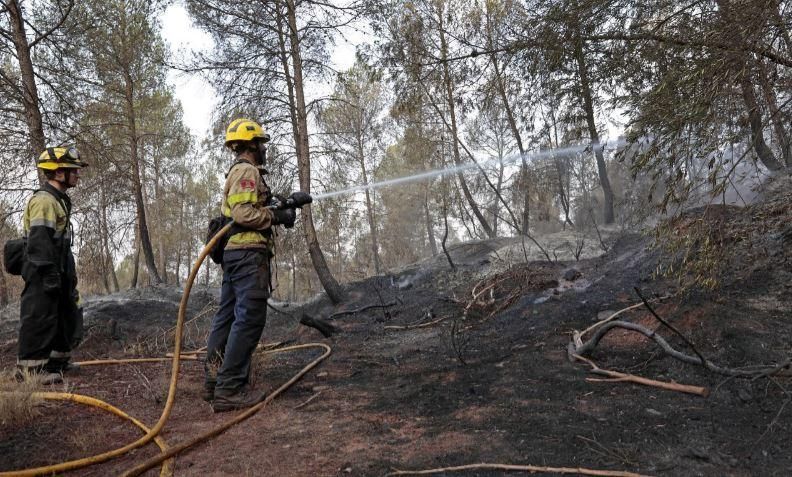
{"points": [[73, 156]]}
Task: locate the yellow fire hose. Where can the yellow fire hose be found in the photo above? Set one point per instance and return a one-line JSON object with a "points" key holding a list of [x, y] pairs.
{"points": [[152, 433], [167, 469]]}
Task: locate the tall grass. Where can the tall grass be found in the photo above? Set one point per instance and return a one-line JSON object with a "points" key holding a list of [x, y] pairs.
{"points": [[18, 406]]}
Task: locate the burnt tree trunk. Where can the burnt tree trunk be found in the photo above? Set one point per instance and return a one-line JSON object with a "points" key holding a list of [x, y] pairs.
{"points": [[136, 264], [137, 182], [588, 107], [369, 209], [449, 92], [510, 117], [299, 118]]}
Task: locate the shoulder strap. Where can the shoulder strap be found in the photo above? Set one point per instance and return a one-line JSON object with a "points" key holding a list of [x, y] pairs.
{"points": [[65, 209], [236, 163], [60, 201]]}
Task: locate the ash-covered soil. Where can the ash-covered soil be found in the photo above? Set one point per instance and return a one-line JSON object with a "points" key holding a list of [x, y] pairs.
{"points": [[435, 367]]}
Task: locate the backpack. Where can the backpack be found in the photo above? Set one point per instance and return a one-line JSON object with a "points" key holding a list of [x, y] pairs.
{"points": [[15, 255]]}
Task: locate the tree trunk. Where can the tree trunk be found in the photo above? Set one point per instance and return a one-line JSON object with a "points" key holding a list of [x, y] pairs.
{"points": [[429, 226], [293, 257], [3, 285], [136, 265], [300, 128], [445, 230], [162, 249], [454, 133], [137, 184], [777, 117], [501, 87], [742, 66], [182, 239], [563, 196], [30, 98], [782, 25], [189, 263], [588, 107], [108, 267], [755, 120], [495, 208], [369, 210]]}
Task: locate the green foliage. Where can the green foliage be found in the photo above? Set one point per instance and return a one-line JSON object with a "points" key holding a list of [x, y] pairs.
{"points": [[695, 250]]}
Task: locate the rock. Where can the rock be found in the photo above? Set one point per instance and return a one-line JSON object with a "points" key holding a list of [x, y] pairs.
{"points": [[571, 274], [605, 314]]}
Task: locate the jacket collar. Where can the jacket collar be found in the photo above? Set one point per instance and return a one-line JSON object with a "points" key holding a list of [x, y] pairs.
{"points": [[61, 196]]}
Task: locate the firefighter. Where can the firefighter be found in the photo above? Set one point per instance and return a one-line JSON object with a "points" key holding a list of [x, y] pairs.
{"points": [[239, 322], [50, 311]]}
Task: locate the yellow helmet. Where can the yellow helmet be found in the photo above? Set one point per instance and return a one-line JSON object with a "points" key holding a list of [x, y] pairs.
{"points": [[245, 130], [60, 158]]}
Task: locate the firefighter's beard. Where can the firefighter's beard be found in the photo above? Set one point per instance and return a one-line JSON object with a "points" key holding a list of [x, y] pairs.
{"points": [[261, 155]]}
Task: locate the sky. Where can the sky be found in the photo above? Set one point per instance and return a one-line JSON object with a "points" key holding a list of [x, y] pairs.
{"points": [[195, 94]]}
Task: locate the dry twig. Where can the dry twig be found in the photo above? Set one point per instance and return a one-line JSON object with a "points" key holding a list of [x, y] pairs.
{"points": [[580, 348], [352, 312], [412, 327], [519, 468], [307, 401], [617, 376]]}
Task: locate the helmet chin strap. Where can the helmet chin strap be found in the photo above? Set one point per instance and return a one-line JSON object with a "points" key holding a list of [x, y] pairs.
{"points": [[259, 155], [67, 179]]}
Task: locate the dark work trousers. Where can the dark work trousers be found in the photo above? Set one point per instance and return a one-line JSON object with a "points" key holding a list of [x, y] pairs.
{"points": [[50, 326], [239, 322]]}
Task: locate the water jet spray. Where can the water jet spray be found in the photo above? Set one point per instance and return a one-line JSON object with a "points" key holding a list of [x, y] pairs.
{"points": [[569, 150]]}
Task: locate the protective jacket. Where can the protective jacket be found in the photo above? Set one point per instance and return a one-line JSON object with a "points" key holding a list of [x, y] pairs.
{"points": [[50, 316], [245, 198]]}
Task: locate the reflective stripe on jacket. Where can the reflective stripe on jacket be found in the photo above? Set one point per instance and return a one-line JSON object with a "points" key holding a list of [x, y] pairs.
{"points": [[45, 223], [245, 198]]}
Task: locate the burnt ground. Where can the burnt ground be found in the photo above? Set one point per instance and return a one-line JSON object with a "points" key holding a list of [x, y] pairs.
{"points": [[489, 382]]}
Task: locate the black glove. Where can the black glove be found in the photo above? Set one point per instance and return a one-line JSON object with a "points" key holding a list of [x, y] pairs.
{"points": [[299, 199], [285, 217], [278, 201]]}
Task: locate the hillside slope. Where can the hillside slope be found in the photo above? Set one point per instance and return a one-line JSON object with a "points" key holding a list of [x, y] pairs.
{"points": [[423, 375]]}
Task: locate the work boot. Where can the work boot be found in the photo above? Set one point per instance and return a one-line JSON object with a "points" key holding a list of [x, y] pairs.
{"points": [[72, 368], [232, 400], [61, 366]]}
